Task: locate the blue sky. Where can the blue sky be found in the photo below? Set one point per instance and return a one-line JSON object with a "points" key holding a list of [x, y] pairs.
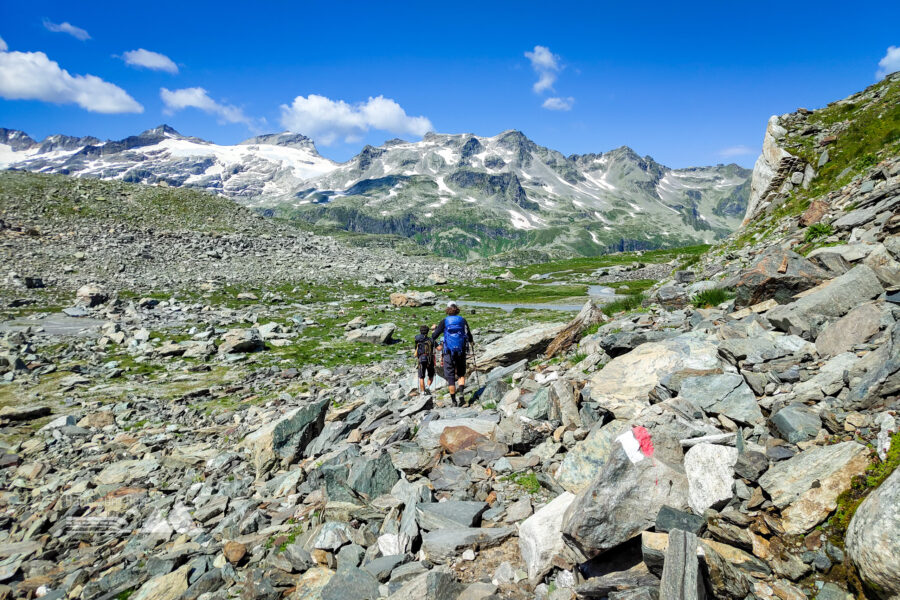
{"points": [[688, 85]]}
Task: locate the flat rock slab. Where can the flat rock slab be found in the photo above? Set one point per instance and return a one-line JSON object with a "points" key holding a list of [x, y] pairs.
{"points": [[126, 470], [23, 413], [449, 514], [834, 300], [854, 328], [441, 546], [790, 483]]}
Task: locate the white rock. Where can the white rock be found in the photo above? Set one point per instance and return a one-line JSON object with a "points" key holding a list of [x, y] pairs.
{"points": [[540, 536], [710, 473]]}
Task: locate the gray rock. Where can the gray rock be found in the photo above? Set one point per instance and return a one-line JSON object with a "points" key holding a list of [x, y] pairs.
{"points": [[241, 340], [587, 457], [681, 578], [797, 423], [617, 390], [381, 567], [727, 394], [351, 583], [778, 274], [286, 438], [621, 502], [885, 267], [442, 545], [833, 301], [854, 328], [670, 518], [789, 483], [882, 375], [524, 343], [616, 582], [433, 585], [23, 413], [873, 538], [373, 334], [449, 514], [751, 464]]}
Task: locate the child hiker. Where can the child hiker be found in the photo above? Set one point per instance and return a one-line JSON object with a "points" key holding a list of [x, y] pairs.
{"points": [[424, 353]]}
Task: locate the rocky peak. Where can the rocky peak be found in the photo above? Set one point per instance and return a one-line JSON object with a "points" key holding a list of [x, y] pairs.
{"points": [[17, 140], [286, 138]]}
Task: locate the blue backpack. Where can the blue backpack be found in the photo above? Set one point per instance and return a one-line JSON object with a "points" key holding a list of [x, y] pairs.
{"points": [[454, 335]]}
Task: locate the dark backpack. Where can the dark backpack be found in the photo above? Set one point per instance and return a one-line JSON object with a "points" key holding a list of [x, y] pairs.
{"points": [[424, 349], [454, 335]]}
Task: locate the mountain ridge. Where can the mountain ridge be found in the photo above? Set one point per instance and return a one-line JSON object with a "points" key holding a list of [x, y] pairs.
{"points": [[506, 186]]}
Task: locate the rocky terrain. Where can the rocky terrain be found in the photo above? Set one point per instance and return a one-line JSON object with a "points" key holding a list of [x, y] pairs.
{"points": [[458, 195], [214, 425]]}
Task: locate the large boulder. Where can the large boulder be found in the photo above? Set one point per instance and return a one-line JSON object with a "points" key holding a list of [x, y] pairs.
{"points": [[806, 486], [778, 274], [854, 328], [413, 298], [286, 437], [373, 334], [624, 384], [540, 535], [622, 501], [873, 538], [241, 340], [524, 343], [90, 295], [829, 301], [710, 474]]}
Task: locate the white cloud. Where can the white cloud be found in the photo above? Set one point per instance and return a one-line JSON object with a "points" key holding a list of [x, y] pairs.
{"points": [[546, 65], [890, 63], [739, 150], [150, 60], [33, 76], [559, 103], [327, 120], [3, 46], [66, 27], [197, 97]]}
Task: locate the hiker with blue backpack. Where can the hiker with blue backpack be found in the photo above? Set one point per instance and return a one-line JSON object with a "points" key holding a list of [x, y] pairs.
{"points": [[457, 337]]}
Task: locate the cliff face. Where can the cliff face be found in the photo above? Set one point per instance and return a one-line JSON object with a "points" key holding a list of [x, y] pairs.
{"points": [[774, 167]]}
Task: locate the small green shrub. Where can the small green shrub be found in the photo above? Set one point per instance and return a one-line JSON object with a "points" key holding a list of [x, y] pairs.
{"points": [[711, 297], [849, 500], [628, 303], [816, 231]]}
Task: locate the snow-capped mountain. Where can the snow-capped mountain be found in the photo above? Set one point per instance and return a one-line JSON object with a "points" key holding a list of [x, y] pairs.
{"points": [[267, 166], [458, 194]]}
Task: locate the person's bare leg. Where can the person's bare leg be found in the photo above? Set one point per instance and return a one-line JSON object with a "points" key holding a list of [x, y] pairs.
{"points": [[422, 385], [452, 389], [461, 381]]}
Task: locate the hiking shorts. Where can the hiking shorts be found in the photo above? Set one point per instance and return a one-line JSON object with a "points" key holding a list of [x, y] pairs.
{"points": [[426, 368], [454, 366]]}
